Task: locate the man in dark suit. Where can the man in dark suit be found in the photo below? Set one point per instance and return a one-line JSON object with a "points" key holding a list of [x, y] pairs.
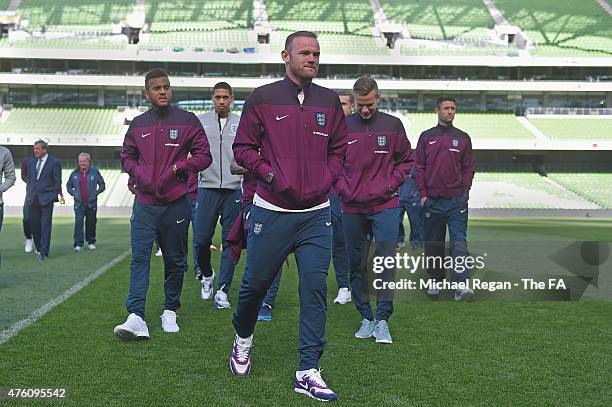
{"points": [[44, 186]]}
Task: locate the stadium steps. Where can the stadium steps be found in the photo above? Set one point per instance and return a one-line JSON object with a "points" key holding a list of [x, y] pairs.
{"points": [[532, 129]]}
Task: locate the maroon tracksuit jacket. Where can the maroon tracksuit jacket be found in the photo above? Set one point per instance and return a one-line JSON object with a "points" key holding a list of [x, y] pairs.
{"points": [[157, 140], [378, 157], [303, 145], [444, 163]]}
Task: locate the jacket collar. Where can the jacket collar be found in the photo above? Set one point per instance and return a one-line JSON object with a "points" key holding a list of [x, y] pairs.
{"points": [[444, 128], [295, 89], [162, 113]]}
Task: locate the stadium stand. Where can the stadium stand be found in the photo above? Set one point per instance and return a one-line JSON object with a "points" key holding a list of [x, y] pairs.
{"points": [[200, 40], [324, 15], [596, 187], [480, 126], [332, 43], [61, 120], [343, 27], [65, 43], [575, 127], [511, 190], [440, 20], [73, 15], [562, 28], [457, 50], [165, 14], [198, 26]]}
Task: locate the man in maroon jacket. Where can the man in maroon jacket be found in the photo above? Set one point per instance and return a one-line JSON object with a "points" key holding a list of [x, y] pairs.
{"points": [[444, 173], [154, 154], [378, 159], [292, 138]]}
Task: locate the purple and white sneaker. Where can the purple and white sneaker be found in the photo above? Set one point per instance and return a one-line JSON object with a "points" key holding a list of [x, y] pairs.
{"points": [[240, 361], [310, 382]]}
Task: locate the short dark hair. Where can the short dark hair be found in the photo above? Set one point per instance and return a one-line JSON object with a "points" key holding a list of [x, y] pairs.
{"points": [[155, 73], [445, 98], [290, 38], [43, 144], [222, 85], [364, 85], [349, 94]]}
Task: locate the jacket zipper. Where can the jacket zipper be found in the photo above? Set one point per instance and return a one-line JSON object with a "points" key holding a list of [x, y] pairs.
{"points": [[155, 157], [221, 151]]}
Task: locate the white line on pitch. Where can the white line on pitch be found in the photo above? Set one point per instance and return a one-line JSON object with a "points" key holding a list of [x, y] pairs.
{"points": [[8, 333]]}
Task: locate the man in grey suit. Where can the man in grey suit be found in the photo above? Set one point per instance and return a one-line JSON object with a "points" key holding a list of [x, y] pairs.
{"points": [[44, 187], [219, 194]]}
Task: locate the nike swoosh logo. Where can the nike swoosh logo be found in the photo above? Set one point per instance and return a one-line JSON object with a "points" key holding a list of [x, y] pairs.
{"points": [[145, 135], [463, 210], [433, 142], [327, 223], [239, 200], [303, 385], [281, 117], [180, 221], [353, 141]]}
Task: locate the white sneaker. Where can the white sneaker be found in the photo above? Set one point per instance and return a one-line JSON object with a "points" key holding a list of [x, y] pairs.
{"points": [[221, 300], [433, 293], [77, 248], [134, 328], [311, 383], [159, 253], [464, 294], [240, 361], [344, 296], [29, 245], [168, 319], [207, 287], [91, 246]]}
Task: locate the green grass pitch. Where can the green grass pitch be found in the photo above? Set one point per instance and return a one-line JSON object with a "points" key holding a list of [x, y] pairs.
{"points": [[485, 353]]}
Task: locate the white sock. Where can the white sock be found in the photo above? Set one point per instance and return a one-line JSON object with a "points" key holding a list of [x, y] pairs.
{"points": [[300, 373], [248, 340]]}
